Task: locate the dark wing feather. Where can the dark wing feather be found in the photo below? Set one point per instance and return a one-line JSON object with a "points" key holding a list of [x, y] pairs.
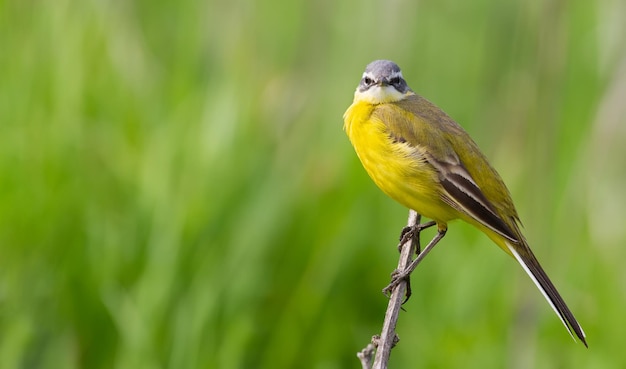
{"points": [[463, 193]]}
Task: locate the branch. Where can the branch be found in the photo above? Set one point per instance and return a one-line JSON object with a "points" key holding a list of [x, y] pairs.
{"points": [[388, 338]]}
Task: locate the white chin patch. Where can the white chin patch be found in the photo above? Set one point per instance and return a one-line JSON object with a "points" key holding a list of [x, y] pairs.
{"points": [[379, 95]]}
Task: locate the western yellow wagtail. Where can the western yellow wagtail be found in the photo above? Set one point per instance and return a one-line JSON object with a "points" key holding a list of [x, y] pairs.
{"points": [[423, 159]]}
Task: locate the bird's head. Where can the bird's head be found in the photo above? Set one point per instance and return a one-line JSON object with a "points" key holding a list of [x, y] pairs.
{"points": [[382, 82]]}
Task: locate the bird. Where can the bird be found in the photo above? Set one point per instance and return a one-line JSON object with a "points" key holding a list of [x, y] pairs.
{"points": [[420, 157]]}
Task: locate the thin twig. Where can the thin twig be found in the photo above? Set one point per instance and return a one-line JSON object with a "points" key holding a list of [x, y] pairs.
{"points": [[366, 356], [388, 337]]}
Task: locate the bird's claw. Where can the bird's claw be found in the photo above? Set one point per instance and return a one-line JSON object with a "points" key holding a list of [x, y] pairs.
{"points": [[406, 234], [398, 276]]}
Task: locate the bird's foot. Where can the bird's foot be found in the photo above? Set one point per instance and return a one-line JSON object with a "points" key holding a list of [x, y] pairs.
{"points": [[398, 276], [413, 233], [407, 234]]}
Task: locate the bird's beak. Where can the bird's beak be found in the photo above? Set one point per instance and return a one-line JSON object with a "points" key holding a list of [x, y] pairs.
{"points": [[383, 82]]}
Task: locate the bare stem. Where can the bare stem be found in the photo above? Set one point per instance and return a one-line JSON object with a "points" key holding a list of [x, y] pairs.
{"points": [[388, 337]]}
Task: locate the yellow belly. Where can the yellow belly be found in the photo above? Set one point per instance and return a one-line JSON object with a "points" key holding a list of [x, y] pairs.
{"points": [[397, 168]]}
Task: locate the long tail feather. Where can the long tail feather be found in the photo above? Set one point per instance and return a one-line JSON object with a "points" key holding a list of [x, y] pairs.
{"points": [[534, 270]]}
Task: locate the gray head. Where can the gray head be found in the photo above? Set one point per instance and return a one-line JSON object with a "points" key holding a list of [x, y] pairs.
{"points": [[383, 73]]}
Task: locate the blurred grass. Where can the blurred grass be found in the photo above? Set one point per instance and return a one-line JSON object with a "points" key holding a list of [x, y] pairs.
{"points": [[176, 190]]}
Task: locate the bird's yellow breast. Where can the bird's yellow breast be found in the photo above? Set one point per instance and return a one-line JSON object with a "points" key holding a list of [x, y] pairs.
{"points": [[398, 169]]}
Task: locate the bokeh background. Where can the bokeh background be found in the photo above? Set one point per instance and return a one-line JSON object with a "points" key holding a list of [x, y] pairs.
{"points": [[176, 190]]}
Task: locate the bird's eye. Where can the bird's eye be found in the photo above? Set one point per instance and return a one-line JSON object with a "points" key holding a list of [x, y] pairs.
{"points": [[367, 80]]}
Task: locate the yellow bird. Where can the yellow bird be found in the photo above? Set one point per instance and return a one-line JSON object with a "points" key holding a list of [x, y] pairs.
{"points": [[420, 157]]}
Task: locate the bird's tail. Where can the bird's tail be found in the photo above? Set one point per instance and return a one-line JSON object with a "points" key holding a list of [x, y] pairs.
{"points": [[534, 270]]}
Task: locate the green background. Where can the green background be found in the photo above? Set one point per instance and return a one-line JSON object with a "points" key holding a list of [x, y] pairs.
{"points": [[176, 190]]}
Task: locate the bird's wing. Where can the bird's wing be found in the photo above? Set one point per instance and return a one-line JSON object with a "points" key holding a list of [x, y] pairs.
{"points": [[461, 190], [462, 193]]}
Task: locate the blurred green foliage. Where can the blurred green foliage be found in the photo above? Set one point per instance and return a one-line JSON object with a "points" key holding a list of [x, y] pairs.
{"points": [[176, 190]]}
